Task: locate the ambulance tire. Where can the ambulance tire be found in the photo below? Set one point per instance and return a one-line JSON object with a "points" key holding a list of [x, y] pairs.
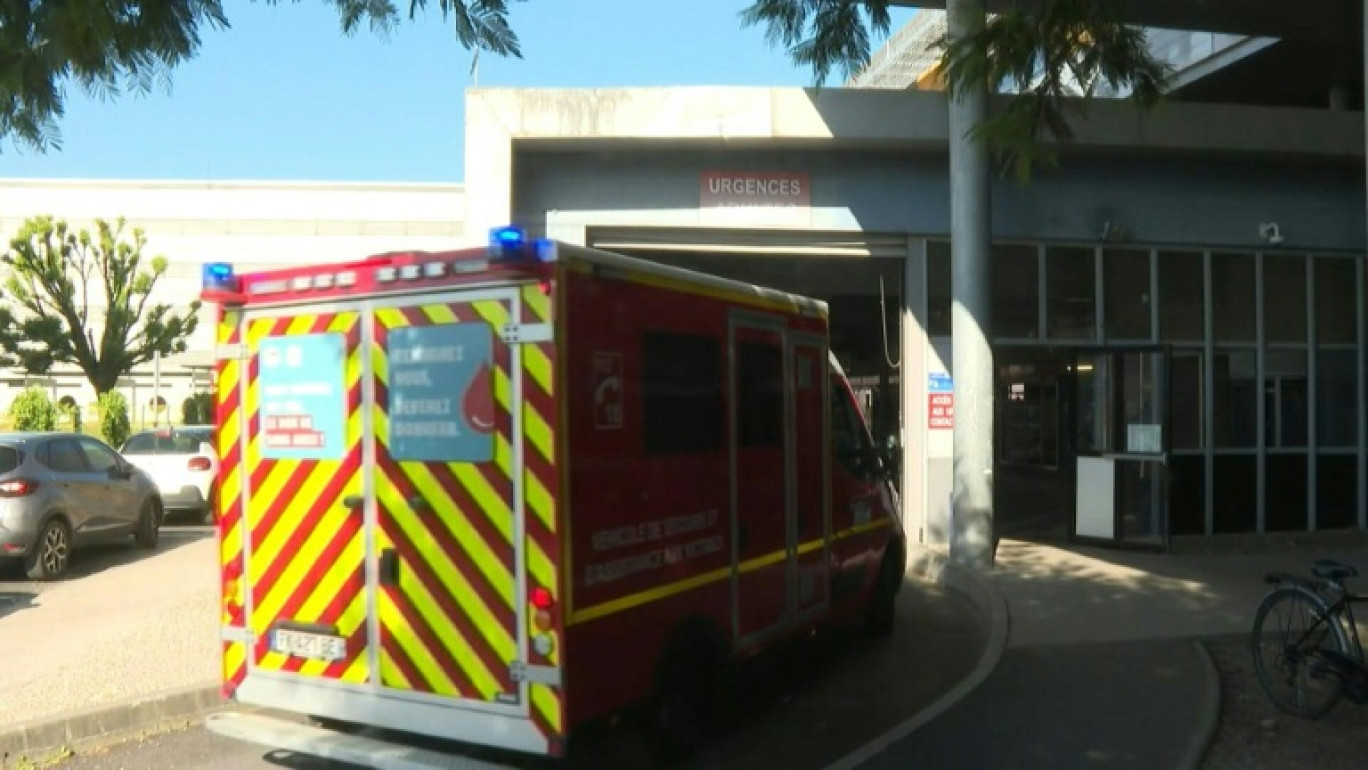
{"points": [[881, 612], [692, 690]]}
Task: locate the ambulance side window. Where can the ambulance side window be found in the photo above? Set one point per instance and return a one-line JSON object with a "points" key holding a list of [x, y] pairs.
{"points": [[681, 393], [850, 444], [760, 415]]}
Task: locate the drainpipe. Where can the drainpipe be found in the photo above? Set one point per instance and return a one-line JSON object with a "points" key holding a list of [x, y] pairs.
{"points": [[971, 538]]}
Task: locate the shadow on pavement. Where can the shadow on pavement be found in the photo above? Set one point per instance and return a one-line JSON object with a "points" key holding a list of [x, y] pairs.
{"points": [[805, 705], [1064, 593], [13, 601], [94, 559]]}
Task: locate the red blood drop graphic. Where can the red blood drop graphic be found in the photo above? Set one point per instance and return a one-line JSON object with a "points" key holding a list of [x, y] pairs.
{"points": [[478, 403]]}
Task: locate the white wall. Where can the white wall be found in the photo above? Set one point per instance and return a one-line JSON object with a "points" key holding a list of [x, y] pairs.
{"points": [[253, 225]]}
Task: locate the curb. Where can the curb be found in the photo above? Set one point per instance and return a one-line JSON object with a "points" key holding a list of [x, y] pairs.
{"points": [[1205, 732], [40, 741], [935, 567]]}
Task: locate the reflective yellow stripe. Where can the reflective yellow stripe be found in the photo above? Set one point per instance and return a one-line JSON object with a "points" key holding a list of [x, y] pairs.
{"points": [[860, 529], [688, 584], [651, 595], [537, 301], [539, 366], [394, 675], [232, 541], [465, 533], [536, 429], [456, 647], [455, 583], [548, 704], [352, 619], [439, 314], [391, 318], [495, 508], [344, 566], [493, 311], [404, 635], [298, 564], [234, 658], [539, 564], [539, 499]]}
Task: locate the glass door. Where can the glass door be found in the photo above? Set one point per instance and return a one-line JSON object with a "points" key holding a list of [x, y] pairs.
{"points": [[1122, 438]]}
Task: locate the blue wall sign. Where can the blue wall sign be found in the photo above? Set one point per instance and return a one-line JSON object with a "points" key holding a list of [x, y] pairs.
{"points": [[441, 393], [937, 382], [303, 397]]}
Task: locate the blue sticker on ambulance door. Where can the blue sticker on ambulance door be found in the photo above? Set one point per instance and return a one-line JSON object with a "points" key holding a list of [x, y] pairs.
{"points": [[303, 397], [441, 393]]}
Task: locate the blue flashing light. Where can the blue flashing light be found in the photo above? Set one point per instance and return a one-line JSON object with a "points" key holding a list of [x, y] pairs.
{"points": [[506, 242], [509, 235], [219, 275]]}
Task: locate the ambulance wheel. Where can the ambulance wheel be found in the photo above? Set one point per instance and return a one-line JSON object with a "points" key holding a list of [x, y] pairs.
{"points": [[882, 609], [692, 690]]}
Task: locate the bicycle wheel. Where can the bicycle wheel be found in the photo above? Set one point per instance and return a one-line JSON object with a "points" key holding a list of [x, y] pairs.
{"points": [[1291, 625]]}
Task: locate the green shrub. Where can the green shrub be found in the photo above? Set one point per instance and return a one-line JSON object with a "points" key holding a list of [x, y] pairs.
{"points": [[33, 410], [114, 418], [197, 410]]}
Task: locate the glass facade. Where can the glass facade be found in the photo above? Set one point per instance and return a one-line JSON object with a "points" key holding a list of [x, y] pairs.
{"points": [[1265, 362]]}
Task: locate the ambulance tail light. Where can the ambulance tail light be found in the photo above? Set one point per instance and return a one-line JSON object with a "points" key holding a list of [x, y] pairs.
{"points": [[542, 621], [233, 597], [542, 598]]}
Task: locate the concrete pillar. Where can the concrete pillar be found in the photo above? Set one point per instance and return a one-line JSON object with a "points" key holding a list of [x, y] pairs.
{"points": [[971, 541]]}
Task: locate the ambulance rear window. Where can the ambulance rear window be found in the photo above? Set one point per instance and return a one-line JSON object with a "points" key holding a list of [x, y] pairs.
{"points": [[682, 390]]}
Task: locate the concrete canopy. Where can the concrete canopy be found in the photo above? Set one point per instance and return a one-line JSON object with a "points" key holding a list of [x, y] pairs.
{"points": [[1320, 48]]}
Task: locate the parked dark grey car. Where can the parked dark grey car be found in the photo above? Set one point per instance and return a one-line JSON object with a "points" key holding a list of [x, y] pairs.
{"points": [[62, 491]]}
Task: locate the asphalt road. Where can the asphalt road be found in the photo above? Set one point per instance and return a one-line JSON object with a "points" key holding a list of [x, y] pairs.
{"points": [[828, 700]]}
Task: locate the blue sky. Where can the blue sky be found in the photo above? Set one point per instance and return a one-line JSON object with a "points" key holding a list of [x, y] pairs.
{"points": [[284, 95]]}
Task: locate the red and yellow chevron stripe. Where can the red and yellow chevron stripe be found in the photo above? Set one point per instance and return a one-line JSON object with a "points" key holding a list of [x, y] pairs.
{"points": [[541, 485], [449, 627], [306, 550], [228, 503]]}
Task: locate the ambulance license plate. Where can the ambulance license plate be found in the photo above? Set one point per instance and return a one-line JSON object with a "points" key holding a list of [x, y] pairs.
{"points": [[299, 644]]}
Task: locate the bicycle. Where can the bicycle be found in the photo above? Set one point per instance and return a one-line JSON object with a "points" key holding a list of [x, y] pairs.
{"points": [[1312, 656]]}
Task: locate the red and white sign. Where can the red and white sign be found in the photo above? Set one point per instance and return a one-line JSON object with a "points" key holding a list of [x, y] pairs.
{"points": [[607, 391], [940, 410], [732, 189]]}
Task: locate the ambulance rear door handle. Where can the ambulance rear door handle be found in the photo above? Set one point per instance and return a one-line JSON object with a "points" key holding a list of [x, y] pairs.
{"points": [[389, 567], [353, 501], [418, 502]]}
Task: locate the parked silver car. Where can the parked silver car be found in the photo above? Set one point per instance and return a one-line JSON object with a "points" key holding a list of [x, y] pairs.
{"points": [[62, 491]]}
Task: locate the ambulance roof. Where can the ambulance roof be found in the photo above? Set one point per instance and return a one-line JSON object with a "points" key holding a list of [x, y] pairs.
{"points": [[761, 294]]}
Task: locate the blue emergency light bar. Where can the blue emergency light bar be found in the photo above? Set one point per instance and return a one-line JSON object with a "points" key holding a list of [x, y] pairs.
{"points": [[506, 242], [218, 276], [510, 243]]}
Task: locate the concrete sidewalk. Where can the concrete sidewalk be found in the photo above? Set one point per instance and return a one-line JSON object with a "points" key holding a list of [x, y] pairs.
{"points": [[127, 643], [1103, 665]]}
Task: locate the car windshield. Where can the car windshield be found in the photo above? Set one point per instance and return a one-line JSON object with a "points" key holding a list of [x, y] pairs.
{"points": [[170, 441]]}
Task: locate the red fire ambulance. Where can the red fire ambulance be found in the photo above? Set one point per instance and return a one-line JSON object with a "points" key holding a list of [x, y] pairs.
{"points": [[492, 495]]}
